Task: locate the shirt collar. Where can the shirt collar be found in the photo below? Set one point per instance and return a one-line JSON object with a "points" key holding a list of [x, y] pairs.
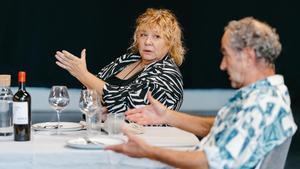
{"points": [[243, 92]]}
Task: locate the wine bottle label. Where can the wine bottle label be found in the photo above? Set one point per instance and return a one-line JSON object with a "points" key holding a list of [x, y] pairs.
{"points": [[20, 112]]}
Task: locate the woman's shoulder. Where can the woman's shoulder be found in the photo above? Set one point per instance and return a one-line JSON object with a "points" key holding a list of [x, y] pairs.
{"points": [[127, 57], [166, 64], [130, 56]]}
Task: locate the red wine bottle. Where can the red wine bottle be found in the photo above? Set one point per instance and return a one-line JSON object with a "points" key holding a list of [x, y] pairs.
{"points": [[22, 111]]}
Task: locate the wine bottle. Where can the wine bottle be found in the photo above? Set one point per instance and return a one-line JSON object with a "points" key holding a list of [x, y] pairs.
{"points": [[22, 110]]}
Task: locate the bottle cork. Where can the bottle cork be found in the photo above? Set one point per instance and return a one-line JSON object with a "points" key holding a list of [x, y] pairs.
{"points": [[22, 76], [5, 80]]}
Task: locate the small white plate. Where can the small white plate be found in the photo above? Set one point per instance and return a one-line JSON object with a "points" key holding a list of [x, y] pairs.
{"points": [[98, 142], [52, 126]]}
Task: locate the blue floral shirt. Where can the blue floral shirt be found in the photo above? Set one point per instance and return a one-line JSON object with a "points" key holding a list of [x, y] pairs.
{"points": [[255, 120]]}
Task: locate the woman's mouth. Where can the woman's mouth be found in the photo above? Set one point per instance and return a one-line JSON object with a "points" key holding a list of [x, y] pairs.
{"points": [[147, 51]]}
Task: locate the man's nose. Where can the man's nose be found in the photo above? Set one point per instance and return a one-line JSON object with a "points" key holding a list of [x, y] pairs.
{"points": [[223, 64]]}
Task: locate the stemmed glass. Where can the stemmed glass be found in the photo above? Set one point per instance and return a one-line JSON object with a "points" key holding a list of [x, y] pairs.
{"points": [[89, 103], [58, 99]]}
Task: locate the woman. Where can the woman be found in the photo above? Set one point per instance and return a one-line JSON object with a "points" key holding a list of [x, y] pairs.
{"points": [[152, 65]]}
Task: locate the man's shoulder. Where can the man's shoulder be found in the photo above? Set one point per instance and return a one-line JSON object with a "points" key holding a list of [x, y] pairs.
{"points": [[268, 92], [268, 99]]}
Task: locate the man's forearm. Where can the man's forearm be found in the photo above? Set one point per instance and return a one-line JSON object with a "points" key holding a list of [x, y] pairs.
{"points": [[198, 125], [180, 159]]}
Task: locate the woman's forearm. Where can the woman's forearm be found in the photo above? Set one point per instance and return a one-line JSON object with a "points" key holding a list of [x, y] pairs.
{"points": [[92, 82]]}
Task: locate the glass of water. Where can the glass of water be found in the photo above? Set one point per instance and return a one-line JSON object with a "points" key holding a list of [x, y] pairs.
{"points": [[89, 104], [114, 122]]}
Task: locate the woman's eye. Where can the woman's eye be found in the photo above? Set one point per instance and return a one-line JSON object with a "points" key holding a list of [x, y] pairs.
{"points": [[156, 36], [143, 35]]}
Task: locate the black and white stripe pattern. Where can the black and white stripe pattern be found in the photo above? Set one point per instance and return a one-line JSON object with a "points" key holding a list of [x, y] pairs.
{"points": [[162, 78]]}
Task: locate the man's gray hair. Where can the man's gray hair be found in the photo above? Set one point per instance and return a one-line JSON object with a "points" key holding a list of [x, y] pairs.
{"points": [[252, 33]]}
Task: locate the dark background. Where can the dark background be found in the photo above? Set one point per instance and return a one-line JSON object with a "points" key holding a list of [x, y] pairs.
{"points": [[31, 31]]}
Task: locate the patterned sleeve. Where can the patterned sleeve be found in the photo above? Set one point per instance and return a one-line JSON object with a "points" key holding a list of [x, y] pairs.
{"points": [[112, 68], [260, 127], [163, 79]]}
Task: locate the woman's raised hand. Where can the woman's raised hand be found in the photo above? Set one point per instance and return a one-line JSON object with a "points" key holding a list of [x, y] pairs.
{"points": [[74, 65]]}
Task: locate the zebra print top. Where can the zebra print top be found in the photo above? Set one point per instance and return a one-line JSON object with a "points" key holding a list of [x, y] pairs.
{"points": [[162, 78]]}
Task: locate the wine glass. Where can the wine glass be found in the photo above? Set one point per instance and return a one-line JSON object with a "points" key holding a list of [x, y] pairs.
{"points": [[58, 100], [89, 103]]}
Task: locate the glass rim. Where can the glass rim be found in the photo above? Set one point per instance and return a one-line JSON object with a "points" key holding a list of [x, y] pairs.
{"points": [[59, 86]]}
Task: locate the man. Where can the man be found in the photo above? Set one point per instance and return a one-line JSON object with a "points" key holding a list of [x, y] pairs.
{"points": [[254, 121]]}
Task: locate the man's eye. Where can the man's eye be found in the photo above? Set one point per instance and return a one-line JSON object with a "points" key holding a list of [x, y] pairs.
{"points": [[156, 36]]}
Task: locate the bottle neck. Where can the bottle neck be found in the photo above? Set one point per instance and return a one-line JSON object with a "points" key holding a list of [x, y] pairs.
{"points": [[22, 85]]}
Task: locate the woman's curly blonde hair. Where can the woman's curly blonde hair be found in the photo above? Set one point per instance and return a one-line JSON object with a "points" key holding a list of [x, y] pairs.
{"points": [[168, 25]]}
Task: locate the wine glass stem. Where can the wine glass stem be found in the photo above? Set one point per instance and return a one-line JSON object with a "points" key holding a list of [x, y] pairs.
{"points": [[58, 122], [89, 123]]}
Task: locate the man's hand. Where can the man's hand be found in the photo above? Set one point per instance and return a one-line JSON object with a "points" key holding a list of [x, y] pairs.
{"points": [[155, 113], [135, 147]]}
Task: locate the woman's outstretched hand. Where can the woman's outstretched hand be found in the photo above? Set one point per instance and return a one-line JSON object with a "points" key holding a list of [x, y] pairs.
{"points": [[74, 65]]}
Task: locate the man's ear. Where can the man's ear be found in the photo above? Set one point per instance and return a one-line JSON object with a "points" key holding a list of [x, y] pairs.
{"points": [[250, 55]]}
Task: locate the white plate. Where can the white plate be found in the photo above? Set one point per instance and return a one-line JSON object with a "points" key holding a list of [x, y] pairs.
{"points": [[52, 126], [98, 142]]}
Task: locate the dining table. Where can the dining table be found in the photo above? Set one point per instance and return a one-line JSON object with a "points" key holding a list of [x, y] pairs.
{"points": [[46, 150]]}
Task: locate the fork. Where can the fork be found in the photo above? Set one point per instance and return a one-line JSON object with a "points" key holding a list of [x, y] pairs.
{"points": [[55, 126], [89, 141]]}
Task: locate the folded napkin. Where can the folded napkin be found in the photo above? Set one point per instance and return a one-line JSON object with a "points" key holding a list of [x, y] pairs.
{"points": [[134, 128], [47, 125]]}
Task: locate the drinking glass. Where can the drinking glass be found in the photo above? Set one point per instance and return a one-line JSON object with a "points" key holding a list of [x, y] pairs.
{"points": [[58, 99], [114, 122], [89, 104]]}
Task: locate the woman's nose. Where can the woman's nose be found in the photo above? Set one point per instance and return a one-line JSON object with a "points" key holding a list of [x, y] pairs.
{"points": [[148, 41]]}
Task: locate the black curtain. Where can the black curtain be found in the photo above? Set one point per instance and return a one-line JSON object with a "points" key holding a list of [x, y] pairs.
{"points": [[31, 31]]}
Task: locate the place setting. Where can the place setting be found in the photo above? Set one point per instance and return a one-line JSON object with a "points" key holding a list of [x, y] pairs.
{"points": [[110, 134], [94, 133], [97, 136], [99, 142], [53, 126], [58, 100]]}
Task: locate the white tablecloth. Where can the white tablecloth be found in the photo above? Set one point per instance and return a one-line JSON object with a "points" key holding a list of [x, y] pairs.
{"points": [[47, 151]]}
